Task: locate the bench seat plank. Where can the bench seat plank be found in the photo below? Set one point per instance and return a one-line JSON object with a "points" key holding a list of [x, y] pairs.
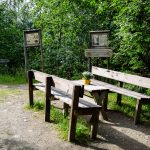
{"points": [[82, 102], [39, 86], [67, 98], [122, 91]]}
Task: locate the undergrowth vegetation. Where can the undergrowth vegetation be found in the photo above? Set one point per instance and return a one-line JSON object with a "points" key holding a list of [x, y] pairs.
{"points": [[10, 79]]}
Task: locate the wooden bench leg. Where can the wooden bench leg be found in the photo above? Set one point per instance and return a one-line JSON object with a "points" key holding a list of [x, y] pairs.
{"points": [[73, 117], [137, 112], [65, 109], [48, 98], [47, 109], [105, 103], [119, 98], [94, 127], [31, 96], [99, 98], [72, 128], [30, 83]]}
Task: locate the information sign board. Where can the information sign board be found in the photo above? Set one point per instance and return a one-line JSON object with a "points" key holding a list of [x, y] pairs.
{"points": [[99, 39], [32, 38]]}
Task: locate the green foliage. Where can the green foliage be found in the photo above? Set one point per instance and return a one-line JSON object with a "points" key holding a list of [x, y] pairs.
{"points": [[62, 124], [132, 32], [87, 75], [11, 36], [38, 105], [65, 27], [12, 79]]}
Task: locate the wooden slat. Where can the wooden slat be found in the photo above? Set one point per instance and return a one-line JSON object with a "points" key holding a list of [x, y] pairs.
{"points": [[120, 90], [59, 83], [65, 85], [83, 102], [40, 76], [91, 87], [124, 77], [87, 111], [39, 86]]}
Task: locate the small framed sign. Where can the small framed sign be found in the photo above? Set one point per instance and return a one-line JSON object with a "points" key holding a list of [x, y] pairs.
{"points": [[99, 39], [32, 38]]}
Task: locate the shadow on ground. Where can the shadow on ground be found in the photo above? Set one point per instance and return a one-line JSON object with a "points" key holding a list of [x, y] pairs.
{"points": [[11, 144], [121, 133]]}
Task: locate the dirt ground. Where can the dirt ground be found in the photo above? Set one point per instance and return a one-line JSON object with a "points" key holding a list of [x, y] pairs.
{"points": [[22, 129]]}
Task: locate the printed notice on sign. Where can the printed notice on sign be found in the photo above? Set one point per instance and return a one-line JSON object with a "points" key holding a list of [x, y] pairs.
{"points": [[99, 40], [32, 39]]}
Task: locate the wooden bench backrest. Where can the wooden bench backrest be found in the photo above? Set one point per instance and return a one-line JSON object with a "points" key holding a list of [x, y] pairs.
{"points": [[59, 83], [40, 76], [66, 85], [123, 77]]}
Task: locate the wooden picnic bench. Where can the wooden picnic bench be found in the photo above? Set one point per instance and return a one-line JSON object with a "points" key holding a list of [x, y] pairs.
{"points": [[70, 94], [120, 90]]}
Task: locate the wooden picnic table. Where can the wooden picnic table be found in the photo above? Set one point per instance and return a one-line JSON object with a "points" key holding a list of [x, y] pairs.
{"points": [[98, 92]]}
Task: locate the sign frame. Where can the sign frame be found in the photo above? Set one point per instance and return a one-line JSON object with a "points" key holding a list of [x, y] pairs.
{"points": [[36, 42], [96, 38], [35, 34]]}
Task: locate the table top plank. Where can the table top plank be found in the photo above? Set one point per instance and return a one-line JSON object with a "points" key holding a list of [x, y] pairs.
{"points": [[91, 87]]}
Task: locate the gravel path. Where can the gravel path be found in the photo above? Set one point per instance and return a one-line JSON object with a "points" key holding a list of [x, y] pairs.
{"points": [[22, 129]]}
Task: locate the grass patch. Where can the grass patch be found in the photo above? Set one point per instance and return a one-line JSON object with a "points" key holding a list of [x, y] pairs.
{"points": [[128, 106], [12, 79], [61, 123], [38, 105]]}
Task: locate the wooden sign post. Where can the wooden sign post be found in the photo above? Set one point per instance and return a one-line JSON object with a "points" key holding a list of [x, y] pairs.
{"points": [[98, 46], [32, 38]]}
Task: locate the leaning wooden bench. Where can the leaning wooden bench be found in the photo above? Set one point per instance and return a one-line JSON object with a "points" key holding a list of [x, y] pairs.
{"points": [[124, 78], [70, 94]]}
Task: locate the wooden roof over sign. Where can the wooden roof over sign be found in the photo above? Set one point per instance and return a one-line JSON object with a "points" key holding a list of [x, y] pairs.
{"points": [[98, 52]]}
